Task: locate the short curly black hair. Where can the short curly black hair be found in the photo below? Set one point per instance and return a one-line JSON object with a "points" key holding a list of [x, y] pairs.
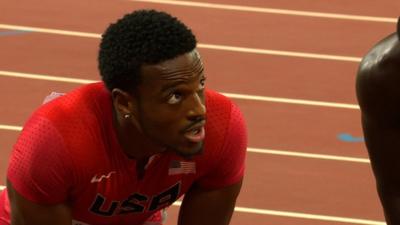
{"points": [[138, 38]]}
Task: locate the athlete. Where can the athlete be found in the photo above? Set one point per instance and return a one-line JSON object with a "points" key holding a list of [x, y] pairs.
{"points": [[378, 92], [119, 151]]}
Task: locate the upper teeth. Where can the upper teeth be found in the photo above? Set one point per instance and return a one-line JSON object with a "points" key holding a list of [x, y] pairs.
{"points": [[196, 131]]}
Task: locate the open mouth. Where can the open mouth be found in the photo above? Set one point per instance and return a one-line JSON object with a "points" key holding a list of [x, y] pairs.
{"points": [[195, 134]]}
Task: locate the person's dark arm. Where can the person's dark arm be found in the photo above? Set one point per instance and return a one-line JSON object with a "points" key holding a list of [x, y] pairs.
{"points": [[211, 207], [378, 92], [383, 144], [25, 212]]}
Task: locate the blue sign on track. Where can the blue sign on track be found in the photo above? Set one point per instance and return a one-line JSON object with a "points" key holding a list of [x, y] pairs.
{"points": [[349, 138]]}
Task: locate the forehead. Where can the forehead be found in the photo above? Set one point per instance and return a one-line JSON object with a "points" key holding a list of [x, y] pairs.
{"points": [[184, 66]]}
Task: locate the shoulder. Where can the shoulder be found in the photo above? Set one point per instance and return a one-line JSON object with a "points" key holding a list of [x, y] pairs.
{"points": [[215, 99], [65, 135], [79, 118], [76, 106], [81, 98], [223, 160], [225, 122], [378, 78], [380, 61], [219, 109], [219, 106]]}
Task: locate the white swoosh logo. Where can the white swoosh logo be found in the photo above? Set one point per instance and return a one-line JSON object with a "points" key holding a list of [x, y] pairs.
{"points": [[98, 179]]}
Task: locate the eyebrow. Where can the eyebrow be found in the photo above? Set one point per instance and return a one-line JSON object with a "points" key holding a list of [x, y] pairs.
{"points": [[172, 85], [181, 81], [197, 68]]}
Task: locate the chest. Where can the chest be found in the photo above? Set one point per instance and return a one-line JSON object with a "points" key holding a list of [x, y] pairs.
{"points": [[116, 192]]}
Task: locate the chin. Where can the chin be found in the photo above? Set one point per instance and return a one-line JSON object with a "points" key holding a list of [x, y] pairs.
{"points": [[190, 150]]}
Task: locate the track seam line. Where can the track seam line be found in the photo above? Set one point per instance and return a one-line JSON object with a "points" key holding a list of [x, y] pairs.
{"points": [[230, 95], [262, 151], [200, 45], [273, 11]]}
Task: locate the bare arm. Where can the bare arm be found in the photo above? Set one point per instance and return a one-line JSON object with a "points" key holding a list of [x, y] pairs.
{"points": [[383, 145], [25, 212], [211, 207], [378, 93]]}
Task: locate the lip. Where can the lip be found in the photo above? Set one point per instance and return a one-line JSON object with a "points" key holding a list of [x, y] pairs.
{"points": [[196, 126], [195, 137]]}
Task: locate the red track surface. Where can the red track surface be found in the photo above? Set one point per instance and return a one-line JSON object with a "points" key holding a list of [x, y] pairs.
{"points": [[273, 182]]}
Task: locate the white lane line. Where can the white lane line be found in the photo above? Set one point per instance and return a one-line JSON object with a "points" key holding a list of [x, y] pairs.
{"points": [[292, 101], [45, 77], [262, 151], [309, 216], [50, 31], [303, 215], [281, 53], [273, 11], [308, 155], [200, 45], [296, 215], [9, 127], [230, 95]]}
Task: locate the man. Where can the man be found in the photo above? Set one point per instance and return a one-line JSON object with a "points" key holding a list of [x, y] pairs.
{"points": [[378, 92], [119, 152]]}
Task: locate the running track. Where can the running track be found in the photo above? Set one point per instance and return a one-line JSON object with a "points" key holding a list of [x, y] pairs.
{"points": [[291, 71]]}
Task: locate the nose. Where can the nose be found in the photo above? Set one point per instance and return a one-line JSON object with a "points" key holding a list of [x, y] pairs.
{"points": [[197, 108]]}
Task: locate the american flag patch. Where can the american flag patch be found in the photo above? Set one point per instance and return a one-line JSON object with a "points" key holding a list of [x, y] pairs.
{"points": [[181, 167]]}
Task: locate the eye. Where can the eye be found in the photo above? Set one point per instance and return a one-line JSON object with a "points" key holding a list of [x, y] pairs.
{"points": [[174, 98]]}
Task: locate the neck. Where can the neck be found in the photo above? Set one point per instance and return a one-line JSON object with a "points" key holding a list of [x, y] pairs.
{"points": [[133, 141]]}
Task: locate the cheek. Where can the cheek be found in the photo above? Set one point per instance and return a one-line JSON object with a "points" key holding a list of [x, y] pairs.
{"points": [[161, 120]]}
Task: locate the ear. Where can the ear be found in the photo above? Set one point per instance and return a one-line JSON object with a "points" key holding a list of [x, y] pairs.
{"points": [[398, 28], [124, 103]]}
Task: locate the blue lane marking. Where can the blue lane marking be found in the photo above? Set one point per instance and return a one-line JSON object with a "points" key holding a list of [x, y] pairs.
{"points": [[13, 32], [349, 138]]}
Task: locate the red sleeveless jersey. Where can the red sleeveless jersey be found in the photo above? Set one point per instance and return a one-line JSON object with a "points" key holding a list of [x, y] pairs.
{"points": [[68, 153]]}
